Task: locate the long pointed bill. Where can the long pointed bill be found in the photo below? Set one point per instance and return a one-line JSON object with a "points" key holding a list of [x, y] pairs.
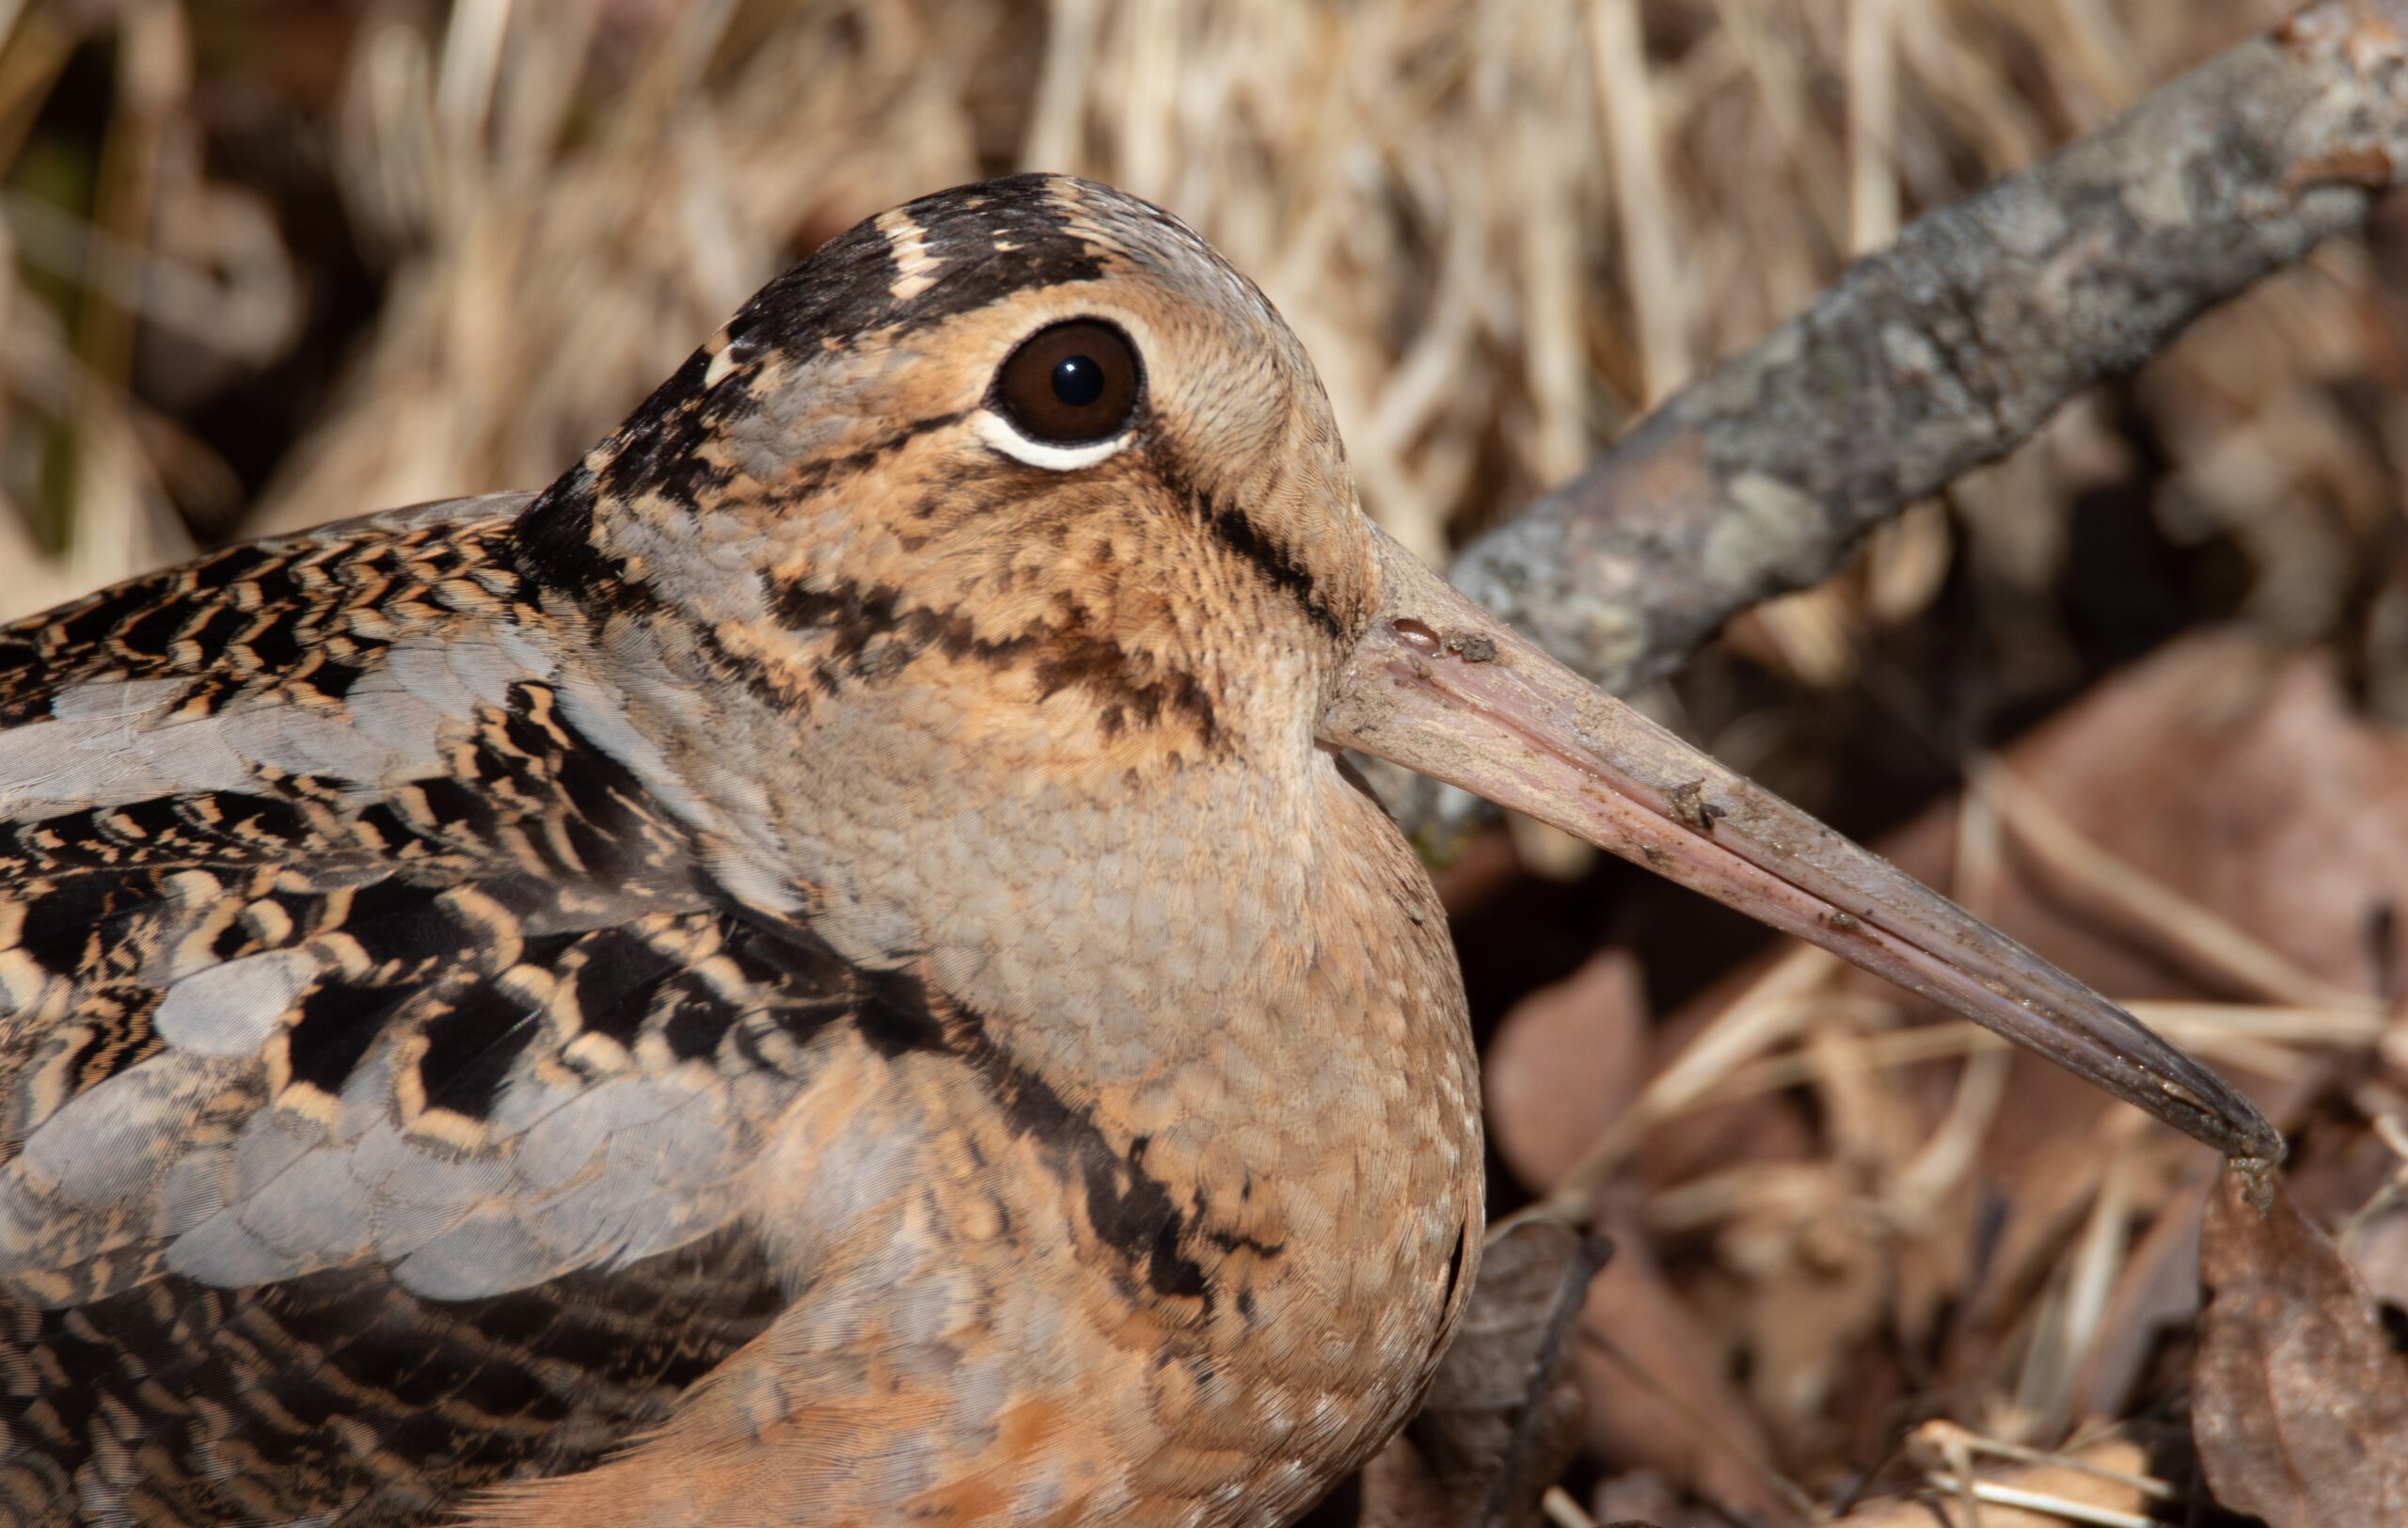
{"points": [[1442, 688]]}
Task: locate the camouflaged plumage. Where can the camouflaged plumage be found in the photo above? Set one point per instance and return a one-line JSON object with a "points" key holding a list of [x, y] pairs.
{"points": [[813, 972]]}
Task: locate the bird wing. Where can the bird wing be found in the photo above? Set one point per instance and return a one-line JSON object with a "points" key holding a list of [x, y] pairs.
{"points": [[328, 939]]}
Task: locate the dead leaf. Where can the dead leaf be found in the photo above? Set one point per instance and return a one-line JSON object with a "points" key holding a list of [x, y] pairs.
{"points": [[1658, 1399], [2230, 777], [1568, 1059], [1818, 1292], [2299, 1405], [1502, 1417], [2378, 1250]]}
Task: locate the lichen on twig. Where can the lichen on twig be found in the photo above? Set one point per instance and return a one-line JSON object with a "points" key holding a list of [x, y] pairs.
{"points": [[1953, 344]]}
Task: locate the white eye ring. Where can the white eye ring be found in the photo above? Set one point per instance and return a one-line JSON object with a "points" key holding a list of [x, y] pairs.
{"points": [[997, 431]]}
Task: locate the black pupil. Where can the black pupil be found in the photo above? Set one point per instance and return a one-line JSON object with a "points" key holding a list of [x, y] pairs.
{"points": [[1078, 381]]}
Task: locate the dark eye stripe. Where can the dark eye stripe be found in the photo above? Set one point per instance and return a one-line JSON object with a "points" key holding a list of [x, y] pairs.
{"points": [[1070, 384]]}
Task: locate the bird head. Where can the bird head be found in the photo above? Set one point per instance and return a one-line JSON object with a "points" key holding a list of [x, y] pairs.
{"points": [[1026, 472], [1031, 444]]}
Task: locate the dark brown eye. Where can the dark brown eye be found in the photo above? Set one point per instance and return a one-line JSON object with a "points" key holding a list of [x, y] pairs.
{"points": [[1071, 385]]}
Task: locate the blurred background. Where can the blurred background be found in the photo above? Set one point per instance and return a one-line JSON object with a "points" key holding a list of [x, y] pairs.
{"points": [[269, 262]]}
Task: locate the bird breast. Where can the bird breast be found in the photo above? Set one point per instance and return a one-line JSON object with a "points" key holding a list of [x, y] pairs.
{"points": [[1161, 1153]]}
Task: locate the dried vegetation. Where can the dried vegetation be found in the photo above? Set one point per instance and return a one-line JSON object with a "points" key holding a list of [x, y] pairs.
{"points": [[273, 263]]}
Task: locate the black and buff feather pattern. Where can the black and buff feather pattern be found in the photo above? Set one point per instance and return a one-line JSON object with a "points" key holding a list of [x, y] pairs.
{"points": [[279, 940]]}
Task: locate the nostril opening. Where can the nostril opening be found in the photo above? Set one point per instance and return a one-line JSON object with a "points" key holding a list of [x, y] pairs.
{"points": [[1416, 636]]}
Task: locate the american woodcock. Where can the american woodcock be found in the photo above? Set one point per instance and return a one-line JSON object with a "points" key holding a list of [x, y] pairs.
{"points": [[826, 969]]}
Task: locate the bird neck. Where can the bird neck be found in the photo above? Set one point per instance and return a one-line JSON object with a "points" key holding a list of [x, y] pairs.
{"points": [[1100, 910]]}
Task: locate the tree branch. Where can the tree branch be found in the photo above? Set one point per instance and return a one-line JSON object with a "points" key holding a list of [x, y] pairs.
{"points": [[1946, 350]]}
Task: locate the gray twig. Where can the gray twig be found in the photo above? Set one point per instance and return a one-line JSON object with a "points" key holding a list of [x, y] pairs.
{"points": [[1946, 350]]}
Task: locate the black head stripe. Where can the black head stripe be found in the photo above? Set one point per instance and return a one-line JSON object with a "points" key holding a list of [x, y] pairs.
{"points": [[974, 245]]}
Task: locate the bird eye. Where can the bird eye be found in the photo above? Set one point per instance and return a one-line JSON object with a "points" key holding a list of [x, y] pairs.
{"points": [[1071, 383]]}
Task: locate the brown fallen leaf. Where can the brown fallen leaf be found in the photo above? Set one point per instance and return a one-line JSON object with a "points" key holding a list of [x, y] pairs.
{"points": [[1817, 1295], [1503, 1414], [2299, 1405], [1567, 1060], [1658, 1397], [2377, 1248]]}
